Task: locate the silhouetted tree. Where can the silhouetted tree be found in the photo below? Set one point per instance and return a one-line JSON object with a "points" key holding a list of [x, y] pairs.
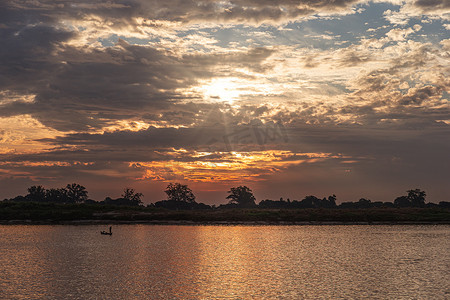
{"points": [[18, 199], [36, 193], [310, 202], [129, 195], [314, 202], [180, 205], [242, 196], [402, 201], [90, 201], [56, 195], [444, 204], [108, 201], [129, 198], [364, 203], [179, 192], [331, 202], [274, 204], [416, 197], [76, 193]]}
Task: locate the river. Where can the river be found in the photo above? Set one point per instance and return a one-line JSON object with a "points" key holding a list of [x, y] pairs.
{"points": [[225, 262]]}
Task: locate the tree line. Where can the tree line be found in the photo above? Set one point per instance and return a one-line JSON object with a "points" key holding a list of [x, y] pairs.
{"points": [[181, 197], [75, 193]]}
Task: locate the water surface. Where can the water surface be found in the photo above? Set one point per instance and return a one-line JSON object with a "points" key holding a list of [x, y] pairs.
{"points": [[225, 262]]}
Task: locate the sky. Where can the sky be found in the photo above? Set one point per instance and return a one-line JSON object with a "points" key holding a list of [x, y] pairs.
{"points": [[288, 97]]}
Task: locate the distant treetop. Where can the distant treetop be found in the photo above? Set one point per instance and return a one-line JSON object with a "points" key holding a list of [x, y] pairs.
{"points": [[242, 196], [179, 192]]}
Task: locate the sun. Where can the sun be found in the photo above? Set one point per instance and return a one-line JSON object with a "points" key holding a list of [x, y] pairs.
{"points": [[223, 89]]}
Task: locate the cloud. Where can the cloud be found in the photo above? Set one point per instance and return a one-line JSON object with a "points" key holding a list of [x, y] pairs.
{"points": [[122, 14], [159, 89], [420, 9], [165, 154], [78, 89], [398, 34]]}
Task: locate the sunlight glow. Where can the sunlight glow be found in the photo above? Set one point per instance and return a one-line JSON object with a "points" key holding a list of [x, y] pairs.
{"points": [[231, 89], [127, 125], [24, 134], [8, 97], [225, 166], [223, 89]]}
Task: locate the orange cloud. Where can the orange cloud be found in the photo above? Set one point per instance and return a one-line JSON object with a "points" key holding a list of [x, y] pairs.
{"points": [[225, 166]]}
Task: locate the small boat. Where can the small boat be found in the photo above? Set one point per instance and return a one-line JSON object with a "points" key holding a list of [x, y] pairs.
{"points": [[106, 232]]}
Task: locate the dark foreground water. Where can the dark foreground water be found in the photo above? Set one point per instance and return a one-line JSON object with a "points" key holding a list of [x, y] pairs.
{"points": [[225, 262]]}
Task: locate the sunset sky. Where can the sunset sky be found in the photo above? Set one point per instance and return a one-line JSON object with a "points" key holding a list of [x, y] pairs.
{"points": [[290, 98]]}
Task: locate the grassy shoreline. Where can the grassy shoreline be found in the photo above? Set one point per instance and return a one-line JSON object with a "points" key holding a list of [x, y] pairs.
{"points": [[215, 223], [48, 213]]}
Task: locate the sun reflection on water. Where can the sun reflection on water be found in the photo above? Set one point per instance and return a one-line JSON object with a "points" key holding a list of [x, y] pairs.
{"points": [[224, 262]]}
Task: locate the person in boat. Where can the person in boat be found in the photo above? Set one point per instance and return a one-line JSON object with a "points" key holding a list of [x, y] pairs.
{"points": [[105, 232]]}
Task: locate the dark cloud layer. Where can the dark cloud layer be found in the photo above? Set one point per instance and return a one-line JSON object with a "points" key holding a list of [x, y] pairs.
{"points": [[378, 155], [121, 13], [77, 89]]}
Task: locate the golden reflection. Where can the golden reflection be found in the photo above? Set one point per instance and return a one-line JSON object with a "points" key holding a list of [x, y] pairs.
{"points": [[224, 262], [233, 264], [32, 263]]}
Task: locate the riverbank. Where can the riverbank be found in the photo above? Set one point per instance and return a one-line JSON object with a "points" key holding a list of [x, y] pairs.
{"points": [[49, 213], [213, 223]]}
